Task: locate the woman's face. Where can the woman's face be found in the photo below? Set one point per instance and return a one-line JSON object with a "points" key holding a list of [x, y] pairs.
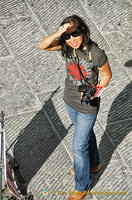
{"points": [[74, 42]]}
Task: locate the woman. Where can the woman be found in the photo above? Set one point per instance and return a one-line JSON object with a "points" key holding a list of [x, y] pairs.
{"points": [[84, 60]]}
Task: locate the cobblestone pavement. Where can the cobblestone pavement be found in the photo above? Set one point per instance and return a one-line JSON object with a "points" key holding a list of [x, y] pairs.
{"points": [[37, 126]]}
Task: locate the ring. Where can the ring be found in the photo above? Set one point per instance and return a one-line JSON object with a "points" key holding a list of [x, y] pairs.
{"points": [[62, 27]]}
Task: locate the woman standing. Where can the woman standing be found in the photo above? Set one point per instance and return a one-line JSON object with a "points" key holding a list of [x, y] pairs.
{"points": [[84, 60]]}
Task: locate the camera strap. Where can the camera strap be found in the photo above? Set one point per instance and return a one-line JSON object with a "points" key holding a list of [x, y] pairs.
{"points": [[76, 60]]}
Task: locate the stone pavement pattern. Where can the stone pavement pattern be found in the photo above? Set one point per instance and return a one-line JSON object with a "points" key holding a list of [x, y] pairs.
{"points": [[31, 95]]}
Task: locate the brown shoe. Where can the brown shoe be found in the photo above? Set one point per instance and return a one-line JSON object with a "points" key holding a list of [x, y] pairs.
{"points": [[95, 169], [72, 171], [75, 195], [92, 170]]}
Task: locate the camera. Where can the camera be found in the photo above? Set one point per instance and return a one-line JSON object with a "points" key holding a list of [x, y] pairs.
{"points": [[88, 92]]}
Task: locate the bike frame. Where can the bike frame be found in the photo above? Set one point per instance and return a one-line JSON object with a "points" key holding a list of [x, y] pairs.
{"points": [[4, 165], [2, 152]]}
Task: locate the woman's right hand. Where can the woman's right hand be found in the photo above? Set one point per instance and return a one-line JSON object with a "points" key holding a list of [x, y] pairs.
{"points": [[63, 29], [51, 43]]}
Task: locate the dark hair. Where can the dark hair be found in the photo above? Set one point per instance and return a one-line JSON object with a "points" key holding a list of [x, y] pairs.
{"points": [[82, 27]]}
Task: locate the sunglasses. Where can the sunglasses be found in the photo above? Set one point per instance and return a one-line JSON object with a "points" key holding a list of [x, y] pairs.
{"points": [[67, 36]]}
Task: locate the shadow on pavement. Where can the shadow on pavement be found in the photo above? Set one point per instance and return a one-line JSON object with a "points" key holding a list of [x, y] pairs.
{"points": [[119, 125], [37, 141], [128, 63]]}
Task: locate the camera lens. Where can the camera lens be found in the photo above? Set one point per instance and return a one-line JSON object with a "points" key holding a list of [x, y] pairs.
{"points": [[85, 99]]}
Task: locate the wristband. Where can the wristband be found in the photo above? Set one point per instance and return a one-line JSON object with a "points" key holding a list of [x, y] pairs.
{"points": [[99, 91]]}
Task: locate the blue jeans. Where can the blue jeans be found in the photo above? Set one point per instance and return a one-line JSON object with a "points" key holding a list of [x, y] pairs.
{"points": [[84, 147]]}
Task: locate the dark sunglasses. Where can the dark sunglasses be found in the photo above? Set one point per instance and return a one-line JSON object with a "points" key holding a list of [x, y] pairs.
{"points": [[67, 36]]}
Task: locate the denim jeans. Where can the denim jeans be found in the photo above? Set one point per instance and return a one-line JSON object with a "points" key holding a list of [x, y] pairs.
{"points": [[84, 147]]}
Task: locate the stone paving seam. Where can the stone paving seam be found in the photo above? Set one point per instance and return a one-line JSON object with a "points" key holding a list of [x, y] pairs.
{"points": [[7, 46], [113, 50], [5, 57], [53, 127], [116, 31], [25, 112], [36, 19], [103, 127], [125, 71], [3, 49], [120, 121], [103, 35], [117, 58], [94, 197], [124, 162], [13, 57], [119, 153], [83, 5]]}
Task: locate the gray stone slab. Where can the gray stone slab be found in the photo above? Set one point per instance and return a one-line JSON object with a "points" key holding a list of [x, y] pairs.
{"points": [[54, 107], [38, 66], [40, 154], [107, 151], [15, 96], [116, 99], [121, 45], [114, 171], [36, 140], [41, 140], [51, 14], [104, 14], [115, 28], [54, 176], [114, 180], [56, 99], [10, 9], [115, 108], [114, 165], [121, 135], [128, 68]]}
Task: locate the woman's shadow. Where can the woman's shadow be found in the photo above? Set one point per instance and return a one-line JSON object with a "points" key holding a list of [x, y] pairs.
{"points": [[37, 141], [119, 125]]}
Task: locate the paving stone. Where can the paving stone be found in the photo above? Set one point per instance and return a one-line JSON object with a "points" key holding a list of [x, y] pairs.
{"points": [[115, 28], [128, 68], [121, 106], [112, 173], [106, 149], [9, 8], [121, 135], [36, 148], [104, 13], [113, 180], [38, 67], [116, 105], [16, 96], [54, 107], [120, 44], [54, 176], [37, 125], [50, 18]]}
